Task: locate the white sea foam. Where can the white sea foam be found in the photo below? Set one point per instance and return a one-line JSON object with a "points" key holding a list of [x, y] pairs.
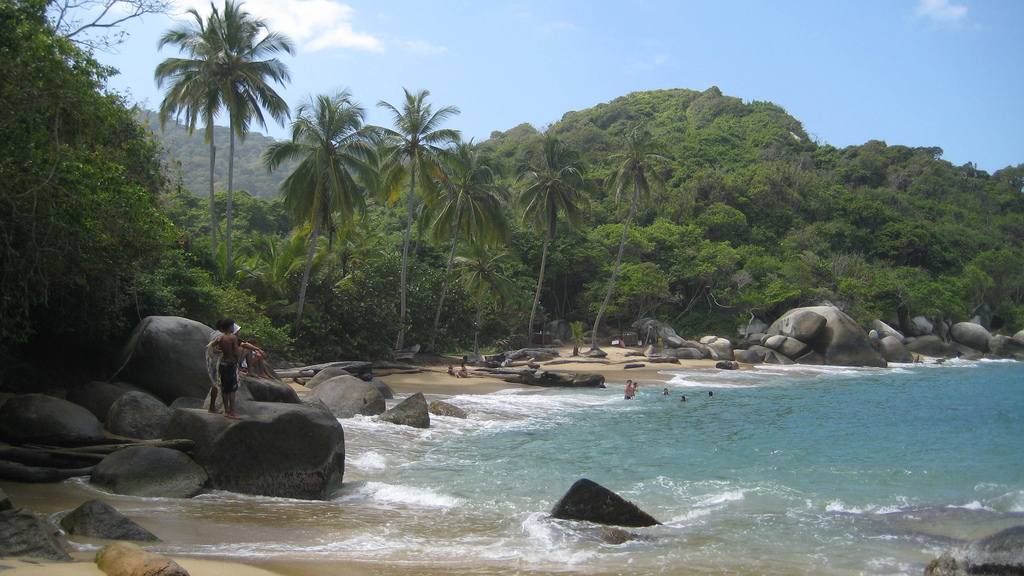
{"points": [[393, 494], [370, 461]]}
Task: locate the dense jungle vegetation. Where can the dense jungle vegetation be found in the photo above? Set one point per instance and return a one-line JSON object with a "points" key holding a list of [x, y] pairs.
{"points": [[737, 214]]}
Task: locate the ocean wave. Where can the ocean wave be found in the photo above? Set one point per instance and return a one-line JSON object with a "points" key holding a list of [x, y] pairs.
{"points": [[397, 494]]}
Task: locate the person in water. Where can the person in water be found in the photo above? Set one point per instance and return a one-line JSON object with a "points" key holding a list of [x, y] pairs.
{"points": [[630, 390], [711, 395]]}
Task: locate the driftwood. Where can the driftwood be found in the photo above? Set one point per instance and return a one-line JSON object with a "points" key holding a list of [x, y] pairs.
{"points": [[55, 458], [578, 361], [354, 367], [38, 474]]}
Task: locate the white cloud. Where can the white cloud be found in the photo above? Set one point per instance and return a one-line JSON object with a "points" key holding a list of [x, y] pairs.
{"points": [[941, 11], [313, 24], [422, 47]]}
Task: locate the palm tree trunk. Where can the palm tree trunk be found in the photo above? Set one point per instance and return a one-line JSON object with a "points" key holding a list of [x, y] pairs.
{"points": [[444, 285], [305, 273], [405, 261], [227, 225], [540, 282], [615, 272], [213, 204], [476, 333]]}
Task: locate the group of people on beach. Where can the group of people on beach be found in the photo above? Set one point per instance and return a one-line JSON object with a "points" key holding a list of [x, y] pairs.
{"points": [[225, 354]]}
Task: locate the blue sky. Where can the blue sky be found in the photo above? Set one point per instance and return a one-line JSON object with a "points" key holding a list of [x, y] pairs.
{"points": [[946, 73]]}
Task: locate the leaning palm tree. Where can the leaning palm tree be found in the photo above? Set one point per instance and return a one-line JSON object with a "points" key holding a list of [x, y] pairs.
{"points": [[417, 139], [553, 185], [333, 150], [469, 206], [231, 66], [484, 273], [635, 172]]}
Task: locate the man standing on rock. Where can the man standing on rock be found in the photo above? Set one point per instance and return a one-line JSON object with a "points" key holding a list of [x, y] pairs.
{"points": [[231, 352]]}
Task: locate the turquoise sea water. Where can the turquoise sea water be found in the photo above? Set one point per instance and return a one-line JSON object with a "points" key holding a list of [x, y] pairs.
{"points": [[787, 470]]}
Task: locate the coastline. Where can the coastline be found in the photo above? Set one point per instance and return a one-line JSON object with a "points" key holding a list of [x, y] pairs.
{"points": [[433, 381]]}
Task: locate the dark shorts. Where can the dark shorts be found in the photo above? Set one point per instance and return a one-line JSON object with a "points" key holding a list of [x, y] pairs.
{"points": [[228, 377]]}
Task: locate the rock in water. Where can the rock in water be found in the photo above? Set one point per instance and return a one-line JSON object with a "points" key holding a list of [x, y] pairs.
{"points": [[589, 501], [412, 411], [1001, 554], [97, 519]]}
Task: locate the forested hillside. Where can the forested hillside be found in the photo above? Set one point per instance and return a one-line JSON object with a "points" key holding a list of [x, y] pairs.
{"points": [[692, 207]]}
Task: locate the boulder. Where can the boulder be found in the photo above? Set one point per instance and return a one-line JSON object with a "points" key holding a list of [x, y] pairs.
{"points": [[382, 387], [267, 390], [1005, 347], [683, 353], [884, 330], [348, 396], [138, 415], [658, 331], [920, 326], [1019, 336], [832, 334], [787, 346], [412, 411], [721, 347], [127, 559], [281, 450], [972, 335], [932, 346], [151, 472], [5, 501], [812, 358], [40, 419], [1001, 554], [442, 408], [166, 355], [893, 350], [589, 501], [804, 324], [97, 519], [752, 355], [23, 533], [325, 375], [559, 379], [727, 365], [96, 397]]}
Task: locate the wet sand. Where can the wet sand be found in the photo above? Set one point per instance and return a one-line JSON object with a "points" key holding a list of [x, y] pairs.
{"points": [[433, 381]]}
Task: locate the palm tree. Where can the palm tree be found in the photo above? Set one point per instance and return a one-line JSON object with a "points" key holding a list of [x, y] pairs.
{"points": [[230, 66], [554, 185], [483, 273], [636, 172], [417, 139], [333, 149], [470, 206]]}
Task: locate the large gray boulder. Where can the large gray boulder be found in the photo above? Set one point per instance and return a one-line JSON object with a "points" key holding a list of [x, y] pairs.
{"points": [[683, 353], [932, 346], [972, 335], [830, 333], [268, 390], [23, 533], [559, 379], [138, 415], [40, 419], [883, 329], [96, 397], [151, 472], [589, 501], [721, 348], [348, 396], [281, 450], [752, 355], [1005, 347], [97, 519], [920, 326], [413, 411], [893, 350], [166, 355], [1001, 554], [657, 331]]}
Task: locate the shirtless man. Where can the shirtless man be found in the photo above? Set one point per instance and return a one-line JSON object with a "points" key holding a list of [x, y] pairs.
{"points": [[228, 368]]}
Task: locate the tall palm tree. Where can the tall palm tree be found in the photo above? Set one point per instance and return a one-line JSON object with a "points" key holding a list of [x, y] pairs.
{"points": [[469, 205], [635, 172], [484, 272], [553, 185], [417, 140], [231, 66], [333, 150]]}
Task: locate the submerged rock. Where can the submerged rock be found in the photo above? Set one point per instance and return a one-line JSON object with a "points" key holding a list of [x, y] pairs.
{"points": [[97, 519], [1001, 554]]}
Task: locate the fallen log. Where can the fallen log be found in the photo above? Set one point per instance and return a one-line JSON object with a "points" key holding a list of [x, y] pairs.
{"points": [[179, 444], [51, 458], [39, 474]]}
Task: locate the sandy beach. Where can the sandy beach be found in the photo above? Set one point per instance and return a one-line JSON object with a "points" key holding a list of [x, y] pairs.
{"points": [[430, 378]]}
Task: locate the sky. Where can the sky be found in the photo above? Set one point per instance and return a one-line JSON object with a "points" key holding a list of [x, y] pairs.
{"points": [[946, 73]]}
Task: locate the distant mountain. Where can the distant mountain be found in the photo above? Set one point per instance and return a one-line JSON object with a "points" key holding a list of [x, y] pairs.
{"points": [[189, 158]]}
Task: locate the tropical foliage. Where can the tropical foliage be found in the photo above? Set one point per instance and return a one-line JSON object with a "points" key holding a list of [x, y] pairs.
{"points": [[712, 211]]}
